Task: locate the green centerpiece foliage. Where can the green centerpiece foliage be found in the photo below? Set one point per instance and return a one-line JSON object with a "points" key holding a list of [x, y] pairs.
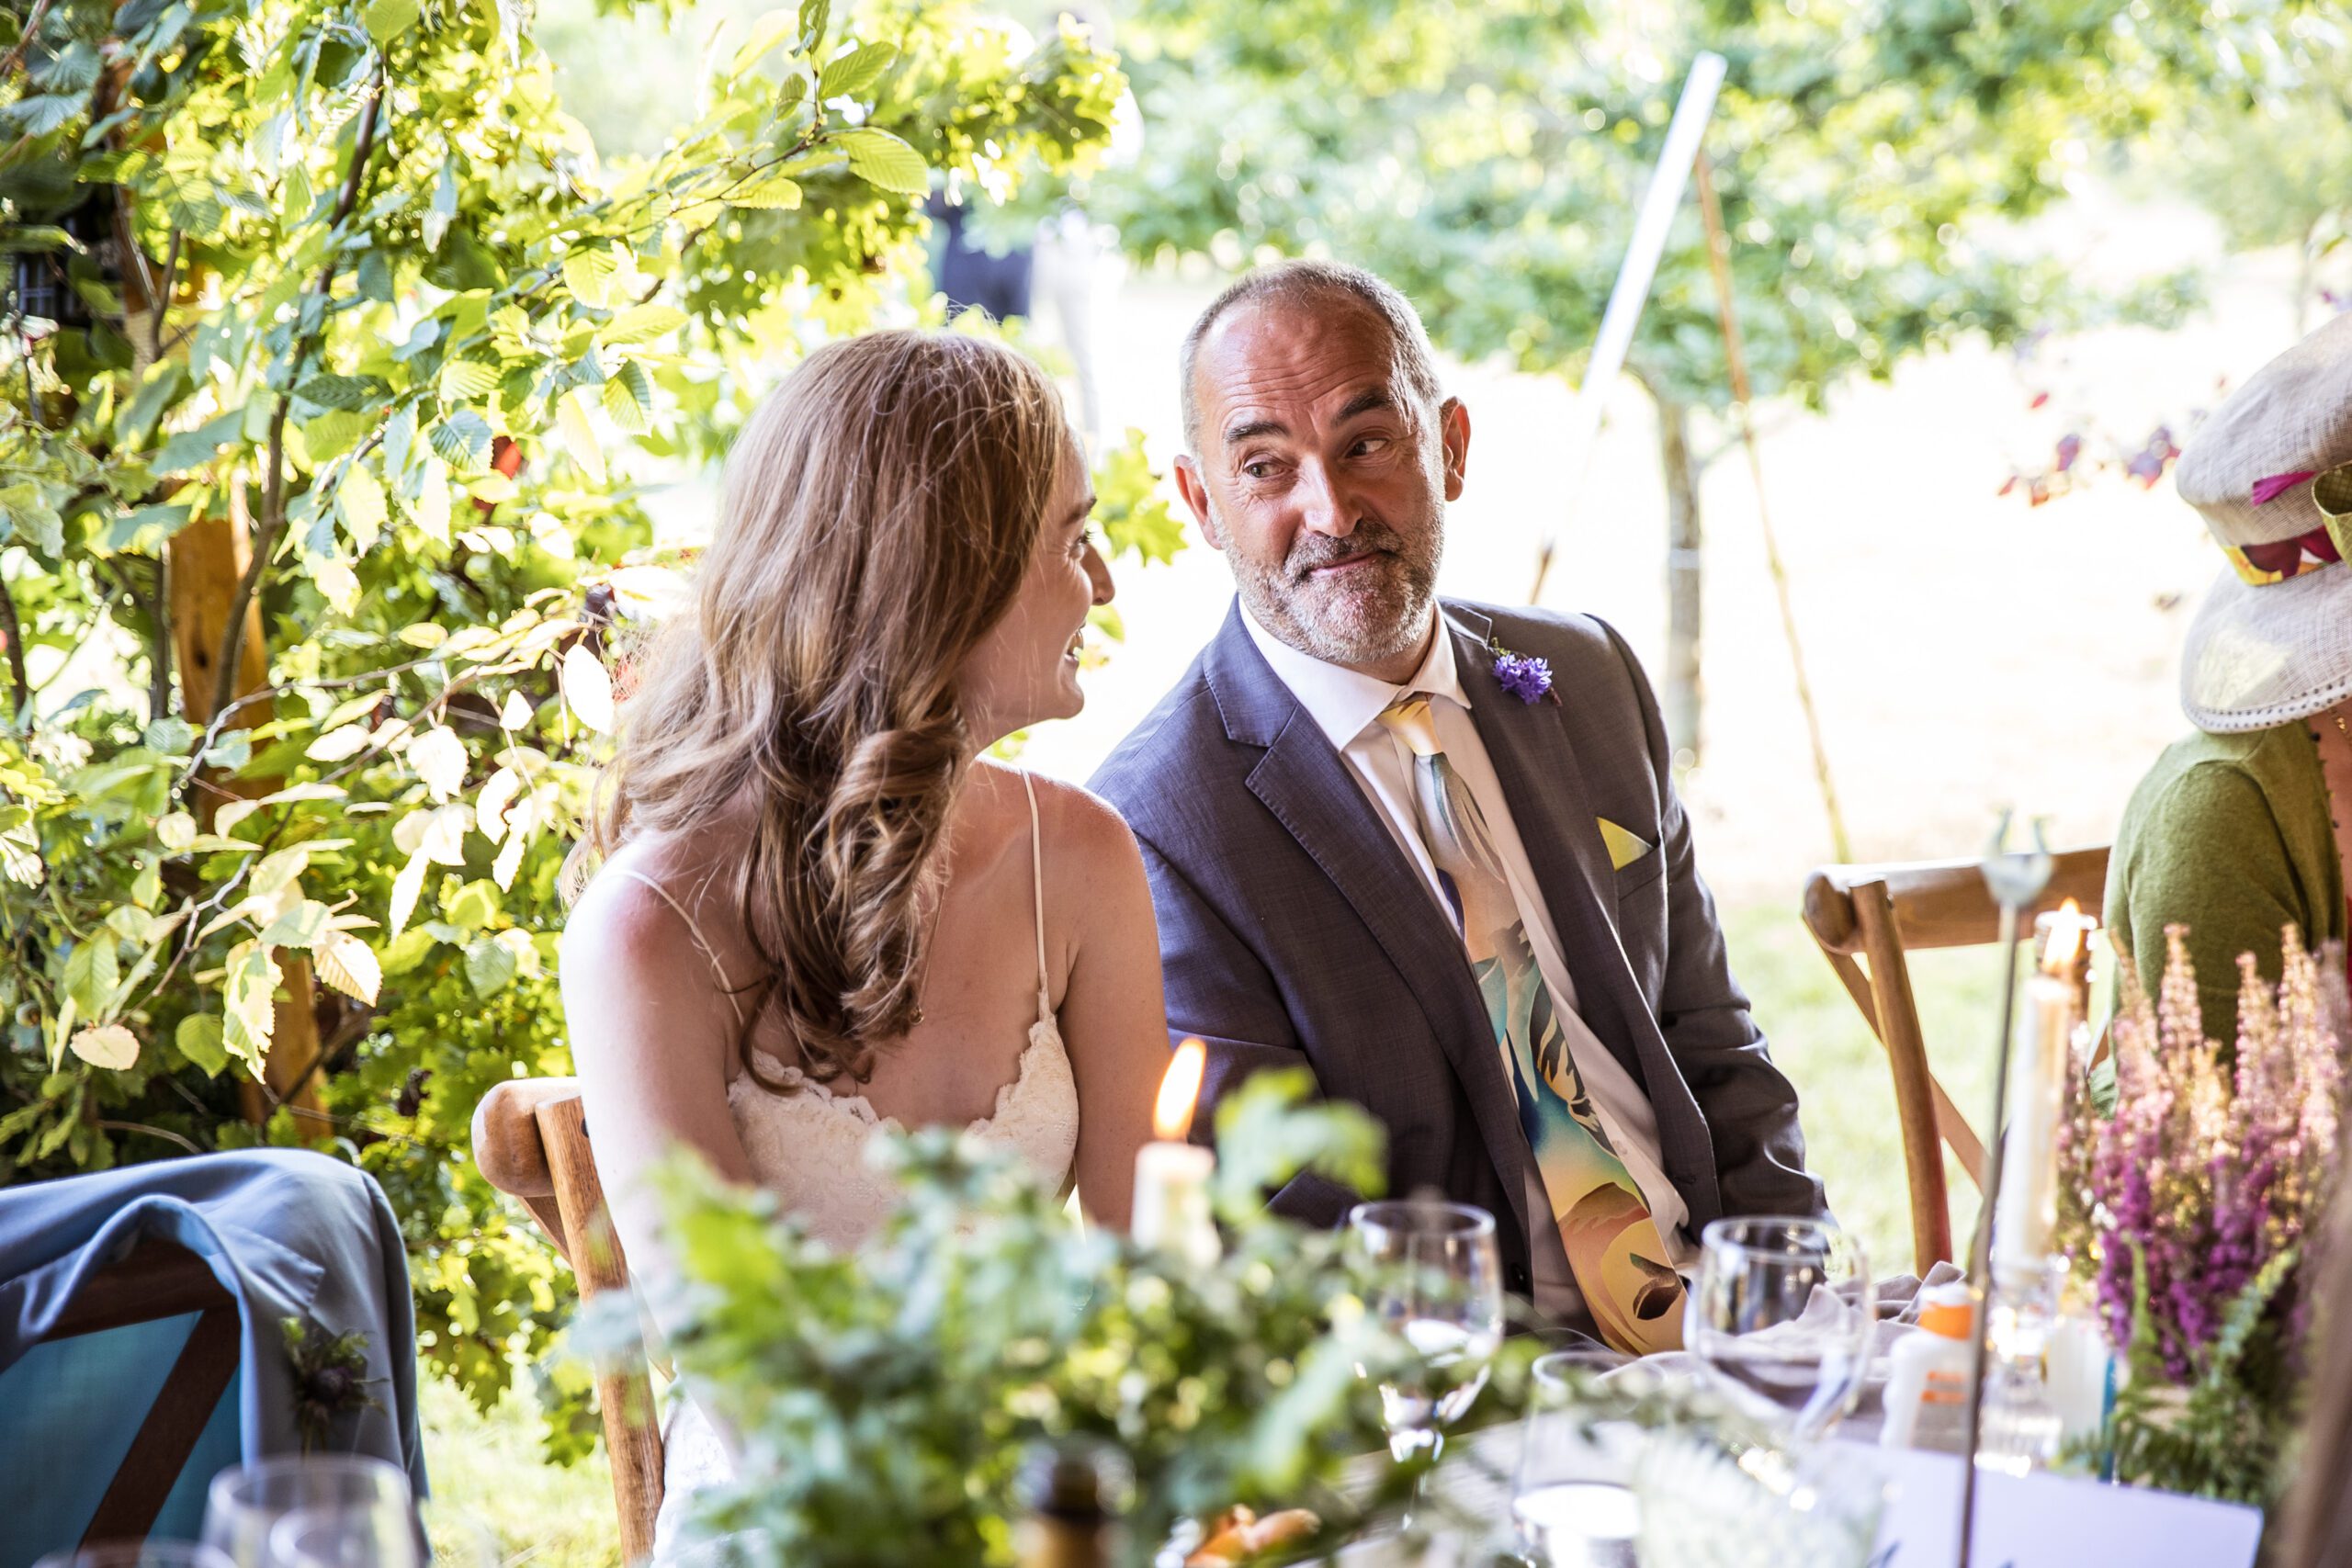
{"points": [[339, 381], [884, 1398]]}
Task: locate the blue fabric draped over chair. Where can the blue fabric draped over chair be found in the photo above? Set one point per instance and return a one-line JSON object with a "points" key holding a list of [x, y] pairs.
{"points": [[103, 1295]]}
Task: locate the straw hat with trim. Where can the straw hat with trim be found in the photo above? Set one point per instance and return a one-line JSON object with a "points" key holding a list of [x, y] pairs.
{"points": [[2272, 472]]}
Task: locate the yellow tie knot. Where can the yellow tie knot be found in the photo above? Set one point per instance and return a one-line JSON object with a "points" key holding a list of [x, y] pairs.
{"points": [[1409, 718]]}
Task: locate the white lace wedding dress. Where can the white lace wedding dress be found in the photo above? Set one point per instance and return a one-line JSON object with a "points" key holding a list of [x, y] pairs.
{"points": [[809, 1148]]}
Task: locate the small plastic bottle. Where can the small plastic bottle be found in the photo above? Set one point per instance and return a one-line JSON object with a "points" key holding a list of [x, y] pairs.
{"points": [[1926, 1385]]}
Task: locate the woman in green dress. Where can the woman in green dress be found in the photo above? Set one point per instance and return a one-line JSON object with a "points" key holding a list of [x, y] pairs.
{"points": [[2242, 828]]}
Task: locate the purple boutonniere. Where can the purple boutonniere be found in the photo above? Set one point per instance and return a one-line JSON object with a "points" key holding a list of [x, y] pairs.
{"points": [[1524, 676]]}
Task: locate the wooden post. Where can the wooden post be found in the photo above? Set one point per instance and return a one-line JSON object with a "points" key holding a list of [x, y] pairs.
{"points": [[1685, 693], [205, 560], [632, 1434]]}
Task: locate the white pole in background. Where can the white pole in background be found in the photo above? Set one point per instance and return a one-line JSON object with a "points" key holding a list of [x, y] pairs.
{"points": [[1633, 279]]}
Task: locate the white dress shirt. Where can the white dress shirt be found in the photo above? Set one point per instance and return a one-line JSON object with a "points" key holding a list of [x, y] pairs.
{"points": [[1344, 705]]}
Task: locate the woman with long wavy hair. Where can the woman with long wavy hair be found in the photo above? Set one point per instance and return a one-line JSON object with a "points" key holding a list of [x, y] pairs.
{"points": [[815, 908]]}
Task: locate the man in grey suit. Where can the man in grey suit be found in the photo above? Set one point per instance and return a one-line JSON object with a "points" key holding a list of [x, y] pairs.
{"points": [[1430, 849]]}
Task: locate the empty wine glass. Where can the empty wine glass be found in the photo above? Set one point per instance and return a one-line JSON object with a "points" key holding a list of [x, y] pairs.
{"points": [[1442, 1296], [245, 1504], [137, 1554], [1572, 1499], [340, 1537], [1782, 1315]]}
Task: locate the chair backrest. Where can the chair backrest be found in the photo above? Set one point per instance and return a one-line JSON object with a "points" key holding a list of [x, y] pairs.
{"points": [[531, 1142], [154, 1281], [1874, 914]]}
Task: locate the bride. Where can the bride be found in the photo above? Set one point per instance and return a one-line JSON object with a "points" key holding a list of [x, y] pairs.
{"points": [[817, 909]]}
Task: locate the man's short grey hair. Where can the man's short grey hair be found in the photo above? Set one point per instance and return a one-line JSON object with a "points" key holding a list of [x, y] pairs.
{"points": [[1306, 282]]}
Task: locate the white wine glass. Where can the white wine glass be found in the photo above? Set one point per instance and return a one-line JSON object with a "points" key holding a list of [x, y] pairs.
{"points": [[1782, 1315], [244, 1502], [1440, 1296], [152, 1554], [1572, 1499], [334, 1536]]}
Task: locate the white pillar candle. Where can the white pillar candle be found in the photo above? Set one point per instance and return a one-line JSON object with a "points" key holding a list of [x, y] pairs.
{"points": [[1172, 1194], [2026, 1213]]}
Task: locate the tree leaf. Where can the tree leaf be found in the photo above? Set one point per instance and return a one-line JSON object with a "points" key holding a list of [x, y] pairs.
{"points": [[588, 689], [885, 162], [578, 433], [439, 759], [175, 830], [275, 871], [490, 806], [108, 1045], [199, 1040], [468, 381], [771, 192], [337, 744], [388, 19], [249, 989], [353, 394], [430, 510], [628, 399], [405, 888], [335, 580], [360, 499], [767, 31], [490, 966], [514, 713], [348, 964], [91, 971], [297, 927], [192, 448], [640, 324], [852, 73], [462, 440], [588, 273]]}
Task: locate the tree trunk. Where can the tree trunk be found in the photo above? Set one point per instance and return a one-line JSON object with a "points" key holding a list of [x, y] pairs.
{"points": [[205, 560], [1683, 689]]}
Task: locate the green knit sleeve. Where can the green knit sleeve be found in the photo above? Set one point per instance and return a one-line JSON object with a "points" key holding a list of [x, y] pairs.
{"points": [[2206, 852]]}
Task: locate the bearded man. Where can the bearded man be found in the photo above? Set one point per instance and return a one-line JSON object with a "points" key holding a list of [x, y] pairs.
{"points": [[1431, 850]]}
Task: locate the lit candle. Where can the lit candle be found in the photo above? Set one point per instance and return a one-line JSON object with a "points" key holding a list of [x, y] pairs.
{"points": [[1171, 1201], [2027, 1208]]}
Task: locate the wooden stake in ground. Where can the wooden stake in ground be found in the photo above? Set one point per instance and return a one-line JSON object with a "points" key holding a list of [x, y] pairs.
{"points": [[1742, 414], [206, 560]]}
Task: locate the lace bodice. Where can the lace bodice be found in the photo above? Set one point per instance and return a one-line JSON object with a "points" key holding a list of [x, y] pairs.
{"points": [[810, 1147]]}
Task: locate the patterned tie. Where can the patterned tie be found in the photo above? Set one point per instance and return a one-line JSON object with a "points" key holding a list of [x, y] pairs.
{"points": [[1612, 1243]]}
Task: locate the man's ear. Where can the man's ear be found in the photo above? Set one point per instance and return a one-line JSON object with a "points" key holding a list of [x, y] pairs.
{"points": [[1189, 485], [1454, 431]]}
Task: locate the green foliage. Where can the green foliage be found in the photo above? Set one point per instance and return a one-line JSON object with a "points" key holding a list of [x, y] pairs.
{"points": [[421, 347], [884, 1398], [2222, 1435], [1872, 160]]}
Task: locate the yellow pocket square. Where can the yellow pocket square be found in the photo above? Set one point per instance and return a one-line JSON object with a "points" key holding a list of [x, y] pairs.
{"points": [[1624, 848]]}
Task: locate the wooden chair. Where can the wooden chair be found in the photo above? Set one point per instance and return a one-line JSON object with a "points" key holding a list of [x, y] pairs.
{"points": [[156, 1279], [1876, 914], [531, 1142]]}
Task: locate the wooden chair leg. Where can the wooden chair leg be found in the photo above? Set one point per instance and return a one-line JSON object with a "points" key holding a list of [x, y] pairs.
{"points": [[632, 1434], [1896, 1014]]}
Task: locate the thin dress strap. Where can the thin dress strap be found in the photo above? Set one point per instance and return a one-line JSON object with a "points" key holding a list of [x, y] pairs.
{"points": [[717, 968], [1037, 887]]}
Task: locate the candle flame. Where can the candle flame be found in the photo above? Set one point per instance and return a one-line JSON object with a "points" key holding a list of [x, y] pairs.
{"points": [[1180, 1090], [2065, 937]]}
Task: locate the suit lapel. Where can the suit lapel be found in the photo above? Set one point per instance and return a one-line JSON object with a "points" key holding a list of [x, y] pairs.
{"points": [[1302, 781], [1536, 765]]}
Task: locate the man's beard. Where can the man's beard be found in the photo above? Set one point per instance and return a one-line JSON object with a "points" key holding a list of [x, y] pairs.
{"points": [[1342, 621]]}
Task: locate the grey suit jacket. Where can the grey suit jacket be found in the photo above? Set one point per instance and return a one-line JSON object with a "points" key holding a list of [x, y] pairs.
{"points": [[1294, 932]]}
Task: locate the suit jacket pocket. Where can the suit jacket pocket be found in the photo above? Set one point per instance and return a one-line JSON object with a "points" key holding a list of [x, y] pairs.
{"points": [[1634, 876]]}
